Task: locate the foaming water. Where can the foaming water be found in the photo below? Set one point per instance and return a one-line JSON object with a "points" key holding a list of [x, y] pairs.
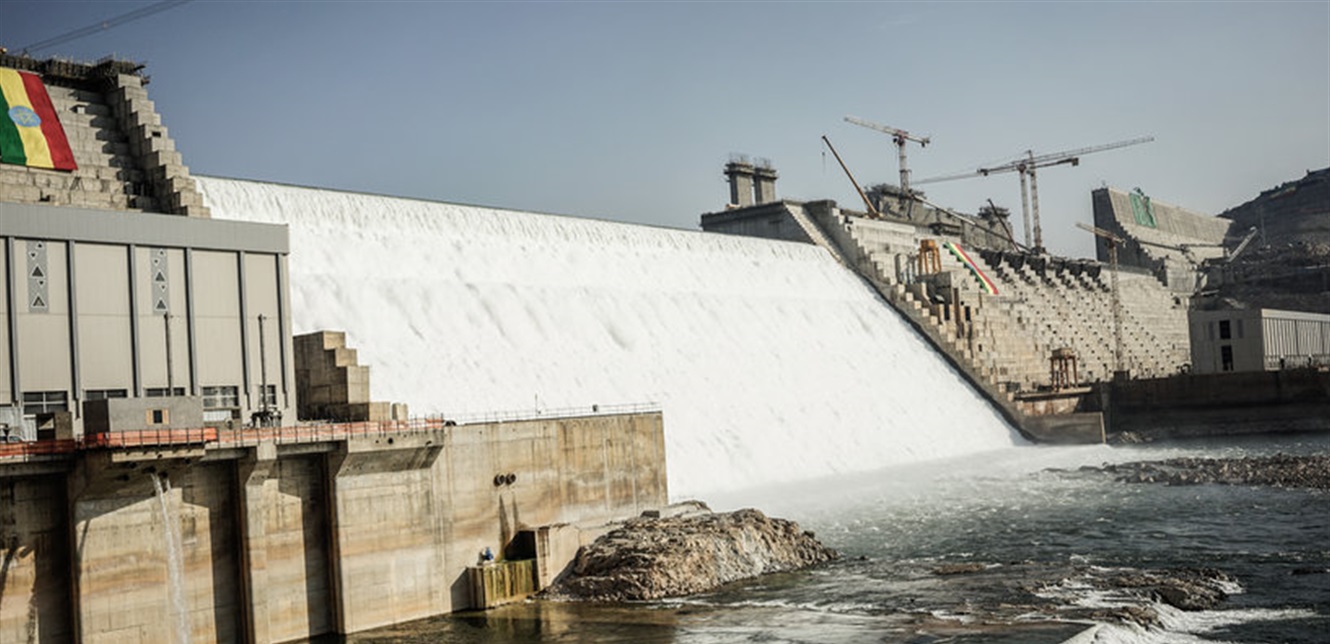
{"points": [[771, 361]]}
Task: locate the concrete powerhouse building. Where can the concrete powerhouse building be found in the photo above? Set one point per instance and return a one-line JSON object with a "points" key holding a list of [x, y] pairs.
{"points": [[116, 284]]}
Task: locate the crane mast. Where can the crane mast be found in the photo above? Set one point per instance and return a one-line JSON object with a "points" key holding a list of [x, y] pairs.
{"points": [[1112, 241], [899, 137]]}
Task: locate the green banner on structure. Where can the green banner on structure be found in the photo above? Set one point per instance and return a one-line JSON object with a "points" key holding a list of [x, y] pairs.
{"points": [[1141, 208]]}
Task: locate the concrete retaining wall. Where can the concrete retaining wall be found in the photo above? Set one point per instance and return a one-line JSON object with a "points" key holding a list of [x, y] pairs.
{"points": [[283, 542], [1221, 404]]}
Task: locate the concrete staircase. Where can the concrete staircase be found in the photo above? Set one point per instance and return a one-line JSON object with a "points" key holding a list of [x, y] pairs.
{"points": [[1004, 343]]}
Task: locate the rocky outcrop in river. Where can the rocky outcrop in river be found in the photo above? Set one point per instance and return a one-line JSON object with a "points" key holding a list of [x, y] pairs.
{"points": [[651, 558], [1280, 470]]}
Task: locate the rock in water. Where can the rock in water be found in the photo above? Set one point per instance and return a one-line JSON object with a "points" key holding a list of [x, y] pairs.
{"points": [[651, 558]]}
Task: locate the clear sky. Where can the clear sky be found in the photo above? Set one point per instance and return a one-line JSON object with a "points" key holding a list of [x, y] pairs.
{"points": [[629, 110]]}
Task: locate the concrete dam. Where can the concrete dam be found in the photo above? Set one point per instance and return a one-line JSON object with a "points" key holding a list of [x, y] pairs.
{"points": [[771, 361]]}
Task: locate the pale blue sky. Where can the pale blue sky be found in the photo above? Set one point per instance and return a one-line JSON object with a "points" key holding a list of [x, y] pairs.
{"points": [[629, 110]]}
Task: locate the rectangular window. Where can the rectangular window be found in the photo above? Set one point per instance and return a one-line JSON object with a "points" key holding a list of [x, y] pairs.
{"points": [[1226, 356], [44, 402], [268, 395], [159, 417], [103, 394], [161, 392], [221, 397], [1225, 332], [218, 415]]}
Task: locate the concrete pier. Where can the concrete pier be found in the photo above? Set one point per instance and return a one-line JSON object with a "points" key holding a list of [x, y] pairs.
{"points": [[284, 538]]}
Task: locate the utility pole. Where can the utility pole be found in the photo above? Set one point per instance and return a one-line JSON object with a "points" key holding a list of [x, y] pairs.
{"points": [[170, 380], [263, 372]]}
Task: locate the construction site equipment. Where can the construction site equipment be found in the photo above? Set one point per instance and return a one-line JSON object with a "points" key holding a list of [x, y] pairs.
{"points": [[872, 210], [1242, 245], [930, 259], [1026, 166], [899, 137], [1111, 240], [1062, 371]]}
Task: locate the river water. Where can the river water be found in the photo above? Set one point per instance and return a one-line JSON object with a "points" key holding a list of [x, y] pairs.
{"points": [[1040, 530]]}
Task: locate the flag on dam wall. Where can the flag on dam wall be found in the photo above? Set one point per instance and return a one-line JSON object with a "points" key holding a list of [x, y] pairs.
{"points": [[985, 284], [30, 132]]}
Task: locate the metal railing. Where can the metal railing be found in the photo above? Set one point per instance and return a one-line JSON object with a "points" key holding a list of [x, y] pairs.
{"points": [[297, 434], [24, 449]]}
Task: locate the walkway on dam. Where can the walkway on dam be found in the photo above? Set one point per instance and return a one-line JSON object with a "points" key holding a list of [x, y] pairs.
{"points": [[310, 432]]}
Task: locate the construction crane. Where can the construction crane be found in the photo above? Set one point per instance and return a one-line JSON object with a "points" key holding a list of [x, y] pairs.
{"points": [[1242, 245], [899, 137], [1026, 166], [1112, 241]]}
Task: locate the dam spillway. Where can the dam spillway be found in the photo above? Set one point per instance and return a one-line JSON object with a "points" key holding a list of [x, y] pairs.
{"points": [[771, 362]]}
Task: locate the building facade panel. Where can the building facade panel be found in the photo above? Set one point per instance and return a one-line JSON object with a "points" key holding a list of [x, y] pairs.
{"points": [[216, 284], [104, 332], [6, 385], [42, 314], [263, 313], [106, 337], [160, 294]]}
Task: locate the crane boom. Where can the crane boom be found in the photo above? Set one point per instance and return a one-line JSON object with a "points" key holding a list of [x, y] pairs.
{"points": [[1100, 232], [1026, 166], [921, 140], [899, 137], [871, 209], [1056, 158]]}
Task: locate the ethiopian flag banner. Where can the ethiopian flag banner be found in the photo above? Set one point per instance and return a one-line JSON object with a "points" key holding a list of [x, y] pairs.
{"points": [[30, 133], [984, 283]]}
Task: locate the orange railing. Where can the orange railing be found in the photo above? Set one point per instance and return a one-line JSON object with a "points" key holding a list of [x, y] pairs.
{"points": [[307, 433], [149, 437], [38, 448]]}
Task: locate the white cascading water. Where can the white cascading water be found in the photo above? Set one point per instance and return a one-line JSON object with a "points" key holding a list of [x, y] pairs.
{"points": [[772, 362], [175, 563]]}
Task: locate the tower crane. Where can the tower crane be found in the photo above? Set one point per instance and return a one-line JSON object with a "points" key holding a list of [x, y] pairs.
{"points": [[1026, 166], [1112, 241], [899, 137]]}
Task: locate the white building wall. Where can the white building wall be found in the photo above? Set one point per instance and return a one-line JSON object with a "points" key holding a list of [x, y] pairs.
{"points": [[104, 331], [103, 323]]}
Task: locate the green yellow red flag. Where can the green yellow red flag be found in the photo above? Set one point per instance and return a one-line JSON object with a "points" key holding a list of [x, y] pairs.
{"points": [[30, 131]]}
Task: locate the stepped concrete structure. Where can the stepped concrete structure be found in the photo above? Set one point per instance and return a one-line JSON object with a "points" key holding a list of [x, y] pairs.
{"points": [[1046, 335], [332, 385], [1041, 335], [126, 159]]}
